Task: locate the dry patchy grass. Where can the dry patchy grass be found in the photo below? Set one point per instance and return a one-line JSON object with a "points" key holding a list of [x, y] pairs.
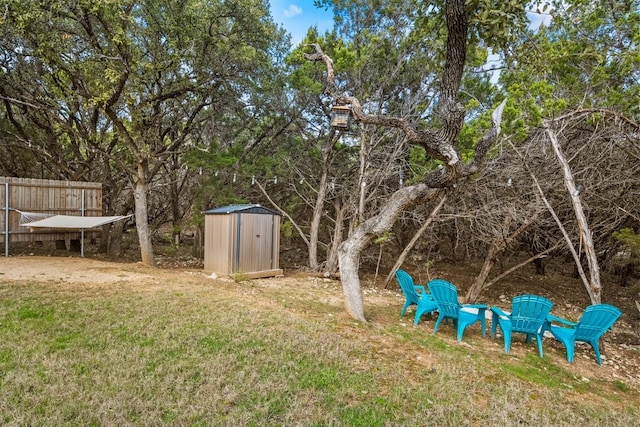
{"points": [[177, 348]]}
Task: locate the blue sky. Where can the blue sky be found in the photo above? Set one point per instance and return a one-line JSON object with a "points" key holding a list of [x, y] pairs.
{"points": [[296, 16]]}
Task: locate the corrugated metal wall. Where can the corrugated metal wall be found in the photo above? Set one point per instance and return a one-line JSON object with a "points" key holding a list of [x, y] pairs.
{"points": [[255, 243], [242, 243], [218, 243], [46, 196]]}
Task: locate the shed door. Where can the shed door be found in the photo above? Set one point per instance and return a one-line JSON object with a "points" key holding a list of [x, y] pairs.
{"points": [[255, 238]]}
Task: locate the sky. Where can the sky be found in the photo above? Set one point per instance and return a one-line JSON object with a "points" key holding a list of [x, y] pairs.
{"points": [[296, 16]]}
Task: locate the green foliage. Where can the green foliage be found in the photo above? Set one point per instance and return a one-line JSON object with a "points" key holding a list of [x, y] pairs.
{"points": [[629, 239], [171, 250], [131, 84], [420, 164], [493, 24], [385, 237], [498, 24], [584, 58], [630, 255], [286, 229]]}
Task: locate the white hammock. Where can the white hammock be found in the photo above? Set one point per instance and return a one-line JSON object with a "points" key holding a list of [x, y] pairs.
{"points": [[28, 217], [40, 220]]}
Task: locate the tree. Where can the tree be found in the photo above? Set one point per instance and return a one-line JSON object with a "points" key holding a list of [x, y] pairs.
{"points": [[153, 70], [438, 142], [575, 81]]}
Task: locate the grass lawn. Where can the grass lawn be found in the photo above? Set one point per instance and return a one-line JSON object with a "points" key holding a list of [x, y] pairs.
{"points": [[186, 350]]}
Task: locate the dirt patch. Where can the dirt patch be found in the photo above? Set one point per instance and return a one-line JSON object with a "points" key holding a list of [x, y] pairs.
{"points": [[622, 352], [71, 270]]}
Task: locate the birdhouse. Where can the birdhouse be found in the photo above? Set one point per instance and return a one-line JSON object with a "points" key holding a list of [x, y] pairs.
{"points": [[340, 116]]}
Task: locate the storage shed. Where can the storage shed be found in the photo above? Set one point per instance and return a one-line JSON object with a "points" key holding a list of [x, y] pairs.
{"points": [[242, 239]]}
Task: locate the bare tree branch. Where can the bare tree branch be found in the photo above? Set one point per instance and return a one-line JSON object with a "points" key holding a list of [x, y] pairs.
{"points": [[414, 239], [285, 214]]}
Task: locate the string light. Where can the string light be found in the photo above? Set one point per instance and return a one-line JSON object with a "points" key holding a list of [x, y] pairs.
{"points": [[333, 183], [578, 190]]}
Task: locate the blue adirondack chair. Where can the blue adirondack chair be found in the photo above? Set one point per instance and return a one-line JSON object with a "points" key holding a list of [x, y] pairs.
{"points": [[445, 295], [595, 321], [528, 316], [414, 295]]}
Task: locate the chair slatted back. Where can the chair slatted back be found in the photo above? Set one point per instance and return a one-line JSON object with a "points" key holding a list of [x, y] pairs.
{"points": [[406, 284], [595, 321], [529, 312], [445, 295]]}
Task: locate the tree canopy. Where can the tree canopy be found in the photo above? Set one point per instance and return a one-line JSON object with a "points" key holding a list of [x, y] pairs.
{"points": [[178, 106]]}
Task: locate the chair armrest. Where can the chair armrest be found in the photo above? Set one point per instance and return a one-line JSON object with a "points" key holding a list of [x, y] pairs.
{"points": [[485, 306], [420, 289], [497, 312], [475, 309], [551, 318]]}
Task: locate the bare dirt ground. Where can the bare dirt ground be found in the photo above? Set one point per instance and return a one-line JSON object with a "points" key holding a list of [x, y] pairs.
{"points": [[621, 344]]}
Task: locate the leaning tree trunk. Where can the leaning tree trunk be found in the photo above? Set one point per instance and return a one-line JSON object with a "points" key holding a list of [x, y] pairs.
{"points": [[593, 285], [414, 240], [498, 246], [142, 220], [350, 249]]}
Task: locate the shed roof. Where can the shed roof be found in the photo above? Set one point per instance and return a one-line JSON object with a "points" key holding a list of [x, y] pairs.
{"points": [[248, 208]]}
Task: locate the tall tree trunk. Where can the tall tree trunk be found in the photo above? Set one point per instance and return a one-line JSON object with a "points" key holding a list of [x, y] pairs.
{"points": [[332, 254], [115, 239], [315, 221], [176, 219], [140, 194], [320, 200], [349, 259]]}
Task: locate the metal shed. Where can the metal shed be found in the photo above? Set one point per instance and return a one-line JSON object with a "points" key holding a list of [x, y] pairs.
{"points": [[242, 239]]}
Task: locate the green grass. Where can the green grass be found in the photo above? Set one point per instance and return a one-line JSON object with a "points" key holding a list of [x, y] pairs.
{"points": [[206, 355]]}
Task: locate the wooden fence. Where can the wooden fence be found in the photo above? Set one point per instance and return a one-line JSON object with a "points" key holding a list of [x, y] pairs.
{"points": [[49, 197]]}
